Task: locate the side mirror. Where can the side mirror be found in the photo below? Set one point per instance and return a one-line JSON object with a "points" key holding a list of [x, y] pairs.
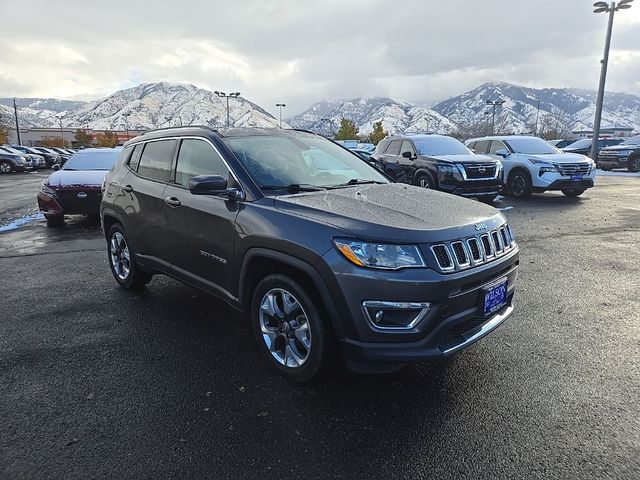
{"points": [[214, 185], [56, 166], [408, 155], [503, 152]]}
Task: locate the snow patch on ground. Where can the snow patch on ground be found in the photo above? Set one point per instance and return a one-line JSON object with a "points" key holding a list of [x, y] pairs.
{"points": [[616, 173]]}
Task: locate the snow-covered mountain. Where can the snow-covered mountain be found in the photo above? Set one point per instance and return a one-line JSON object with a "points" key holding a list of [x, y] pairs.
{"points": [[39, 112], [396, 116], [149, 105], [560, 109], [561, 106]]}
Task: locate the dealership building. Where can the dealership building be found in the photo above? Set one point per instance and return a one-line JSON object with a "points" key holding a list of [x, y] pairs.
{"points": [[37, 136]]}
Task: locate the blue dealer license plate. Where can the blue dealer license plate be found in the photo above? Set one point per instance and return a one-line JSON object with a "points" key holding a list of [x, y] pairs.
{"points": [[576, 178], [495, 297]]}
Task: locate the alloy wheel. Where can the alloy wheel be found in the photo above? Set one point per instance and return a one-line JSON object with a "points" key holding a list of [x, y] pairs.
{"points": [[285, 328], [120, 257], [423, 182], [518, 185], [5, 167]]}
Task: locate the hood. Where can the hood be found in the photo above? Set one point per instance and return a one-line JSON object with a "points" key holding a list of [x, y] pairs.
{"points": [[76, 178], [471, 157], [633, 146], [393, 212], [567, 157]]}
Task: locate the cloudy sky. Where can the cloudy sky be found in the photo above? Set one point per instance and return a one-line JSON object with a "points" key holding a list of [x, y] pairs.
{"points": [[299, 52]]}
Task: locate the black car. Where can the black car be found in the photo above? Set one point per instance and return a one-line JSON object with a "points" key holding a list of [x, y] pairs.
{"points": [[439, 162], [320, 249], [12, 162], [624, 155], [583, 146], [51, 158]]}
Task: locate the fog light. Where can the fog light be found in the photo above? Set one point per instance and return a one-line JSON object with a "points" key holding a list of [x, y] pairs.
{"points": [[394, 315]]}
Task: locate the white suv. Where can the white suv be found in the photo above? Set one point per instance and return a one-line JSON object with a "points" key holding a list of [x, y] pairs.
{"points": [[533, 165]]}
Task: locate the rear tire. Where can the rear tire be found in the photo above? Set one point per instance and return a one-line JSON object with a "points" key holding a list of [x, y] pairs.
{"points": [[634, 165], [289, 328], [6, 167], [519, 184], [572, 192], [122, 260]]}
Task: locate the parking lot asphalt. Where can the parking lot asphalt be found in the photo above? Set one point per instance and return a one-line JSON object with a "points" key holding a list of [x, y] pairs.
{"points": [[97, 382]]}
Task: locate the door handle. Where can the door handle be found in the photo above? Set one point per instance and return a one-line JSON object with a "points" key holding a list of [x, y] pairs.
{"points": [[127, 188], [172, 201]]}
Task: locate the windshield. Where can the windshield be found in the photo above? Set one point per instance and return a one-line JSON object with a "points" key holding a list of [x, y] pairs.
{"points": [[437, 145], [10, 150], [92, 160], [301, 159], [583, 143], [45, 150], [531, 146], [632, 141]]}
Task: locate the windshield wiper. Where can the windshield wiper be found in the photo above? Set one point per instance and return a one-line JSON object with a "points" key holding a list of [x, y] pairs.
{"points": [[294, 187], [356, 181]]}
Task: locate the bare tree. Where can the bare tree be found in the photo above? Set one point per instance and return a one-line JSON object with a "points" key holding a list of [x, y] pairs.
{"points": [[554, 125]]}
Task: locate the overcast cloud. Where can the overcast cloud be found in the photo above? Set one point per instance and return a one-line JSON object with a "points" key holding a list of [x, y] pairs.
{"points": [[300, 52]]}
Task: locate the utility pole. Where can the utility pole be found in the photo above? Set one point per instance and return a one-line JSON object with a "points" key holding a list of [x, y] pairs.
{"points": [[61, 131], [280, 105], [15, 112], [494, 104], [611, 8]]}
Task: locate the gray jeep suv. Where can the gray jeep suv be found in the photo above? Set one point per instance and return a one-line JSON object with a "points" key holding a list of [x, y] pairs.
{"points": [[324, 253]]}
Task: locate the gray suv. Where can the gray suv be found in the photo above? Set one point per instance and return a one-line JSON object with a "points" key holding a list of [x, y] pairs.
{"points": [[326, 255]]}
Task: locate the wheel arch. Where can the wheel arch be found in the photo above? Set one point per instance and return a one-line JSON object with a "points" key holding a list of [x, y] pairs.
{"points": [[424, 171], [260, 262]]}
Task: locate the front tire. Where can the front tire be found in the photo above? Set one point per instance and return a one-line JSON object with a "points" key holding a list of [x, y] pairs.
{"points": [[6, 167], [487, 198], [54, 220], [122, 260], [570, 192], [634, 165], [519, 184], [289, 328], [424, 180]]}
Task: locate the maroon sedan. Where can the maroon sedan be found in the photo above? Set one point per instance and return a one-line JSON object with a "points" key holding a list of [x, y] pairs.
{"points": [[76, 187]]}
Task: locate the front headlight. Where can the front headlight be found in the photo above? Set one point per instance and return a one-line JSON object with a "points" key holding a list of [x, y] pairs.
{"points": [[624, 153], [44, 188], [380, 255], [449, 170]]}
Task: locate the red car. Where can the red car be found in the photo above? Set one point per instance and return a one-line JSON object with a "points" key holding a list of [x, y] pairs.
{"points": [[76, 187]]}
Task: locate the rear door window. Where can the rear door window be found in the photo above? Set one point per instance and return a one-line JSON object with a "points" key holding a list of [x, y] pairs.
{"points": [[394, 148], [155, 162], [481, 146]]}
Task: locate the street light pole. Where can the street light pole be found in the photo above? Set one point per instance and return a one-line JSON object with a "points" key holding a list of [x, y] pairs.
{"points": [[280, 105], [61, 132], [611, 8], [494, 104], [535, 133], [15, 112], [227, 96]]}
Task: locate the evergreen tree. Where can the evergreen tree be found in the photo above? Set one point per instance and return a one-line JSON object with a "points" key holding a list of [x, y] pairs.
{"points": [[83, 138], [377, 134], [347, 130]]}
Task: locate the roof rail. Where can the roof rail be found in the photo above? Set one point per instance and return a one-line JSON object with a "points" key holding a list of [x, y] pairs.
{"points": [[178, 127]]}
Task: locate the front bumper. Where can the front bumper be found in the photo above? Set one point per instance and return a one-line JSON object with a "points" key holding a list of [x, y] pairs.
{"points": [[456, 318], [69, 203], [472, 188], [613, 162]]}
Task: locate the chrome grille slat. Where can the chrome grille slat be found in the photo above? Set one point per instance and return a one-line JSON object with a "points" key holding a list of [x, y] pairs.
{"points": [[469, 252], [574, 168]]}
